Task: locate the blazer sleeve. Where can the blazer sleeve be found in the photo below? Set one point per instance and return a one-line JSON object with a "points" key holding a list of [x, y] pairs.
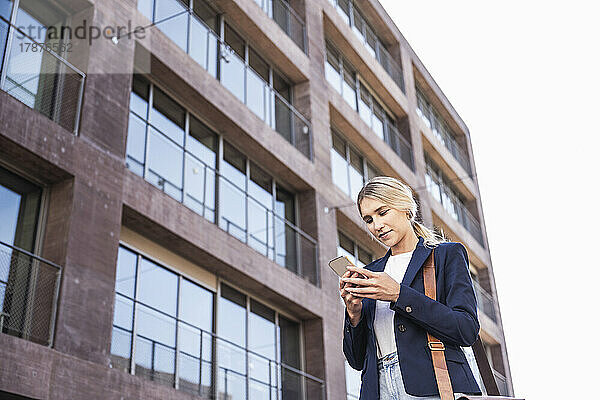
{"points": [[454, 322], [355, 341]]}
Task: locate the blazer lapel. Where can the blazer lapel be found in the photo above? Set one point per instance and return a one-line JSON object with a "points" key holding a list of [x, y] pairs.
{"points": [[416, 262]]}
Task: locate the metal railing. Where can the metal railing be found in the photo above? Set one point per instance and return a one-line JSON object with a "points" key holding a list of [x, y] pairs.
{"points": [[29, 287], [287, 18], [214, 55], [485, 301], [259, 227], [229, 377], [400, 145], [35, 74]]}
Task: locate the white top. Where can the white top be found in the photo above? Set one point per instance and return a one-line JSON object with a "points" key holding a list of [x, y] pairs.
{"points": [[384, 317]]}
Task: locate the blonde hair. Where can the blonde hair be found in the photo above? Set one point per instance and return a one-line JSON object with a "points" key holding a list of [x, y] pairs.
{"points": [[397, 195]]}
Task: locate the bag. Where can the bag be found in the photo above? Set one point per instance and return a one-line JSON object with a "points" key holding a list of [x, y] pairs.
{"points": [[438, 357]]}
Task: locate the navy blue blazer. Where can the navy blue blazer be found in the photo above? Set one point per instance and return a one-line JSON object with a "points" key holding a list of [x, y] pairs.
{"points": [[451, 319]]}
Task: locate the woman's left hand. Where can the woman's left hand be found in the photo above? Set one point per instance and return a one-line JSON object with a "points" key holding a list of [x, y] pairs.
{"points": [[376, 285]]}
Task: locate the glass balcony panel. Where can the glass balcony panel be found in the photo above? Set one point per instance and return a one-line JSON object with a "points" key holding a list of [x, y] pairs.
{"points": [[203, 45], [136, 139], [349, 90], [168, 117], [165, 162], [189, 373], [256, 98], [155, 326], [175, 28], [195, 184], [339, 171], [120, 349], [364, 105], [260, 228], [285, 245], [232, 207], [284, 118], [232, 385], [232, 73], [377, 126]]}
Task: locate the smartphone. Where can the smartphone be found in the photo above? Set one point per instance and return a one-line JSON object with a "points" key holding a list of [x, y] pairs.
{"points": [[339, 264]]}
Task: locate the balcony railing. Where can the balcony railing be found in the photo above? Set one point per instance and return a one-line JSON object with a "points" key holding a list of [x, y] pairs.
{"points": [[239, 373], [29, 288], [485, 301], [35, 74], [287, 18], [215, 56], [239, 213]]}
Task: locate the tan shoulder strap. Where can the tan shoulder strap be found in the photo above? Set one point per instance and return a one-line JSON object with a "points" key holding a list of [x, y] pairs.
{"points": [[437, 347]]}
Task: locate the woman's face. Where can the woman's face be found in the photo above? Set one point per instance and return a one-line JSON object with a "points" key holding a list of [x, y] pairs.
{"points": [[387, 224]]}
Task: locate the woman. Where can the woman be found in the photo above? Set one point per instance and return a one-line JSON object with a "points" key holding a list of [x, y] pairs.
{"points": [[387, 313]]}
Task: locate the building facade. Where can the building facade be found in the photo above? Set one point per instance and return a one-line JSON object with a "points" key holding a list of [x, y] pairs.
{"points": [[175, 176]]}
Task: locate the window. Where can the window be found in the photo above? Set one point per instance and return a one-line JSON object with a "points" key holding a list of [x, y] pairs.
{"points": [[258, 347], [356, 93], [355, 253], [161, 149], [241, 69], [44, 81], [349, 170], [353, 17], [440, 129], [440, 188], [160, 316], [178, 154]]}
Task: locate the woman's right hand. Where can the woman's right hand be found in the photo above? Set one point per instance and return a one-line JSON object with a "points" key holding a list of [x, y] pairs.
{"points": [[353, 303]]}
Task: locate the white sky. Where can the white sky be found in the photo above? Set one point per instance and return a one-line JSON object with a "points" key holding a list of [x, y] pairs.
{"points": [[524, 76]]}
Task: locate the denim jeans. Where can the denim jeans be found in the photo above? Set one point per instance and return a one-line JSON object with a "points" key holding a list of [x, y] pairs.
{"points": [[391, 386]]}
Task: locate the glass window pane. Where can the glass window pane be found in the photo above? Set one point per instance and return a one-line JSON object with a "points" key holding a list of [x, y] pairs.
{"points": [[349, 88], [202, 142], [235, 42], [126, 270], [120, 349], [203, 45], [356, 182], [158, 287], [371, 171], [377, 126], [332, 71], [346, 245], [232, 327], [284, 205], [136, 139], [168, 117], [10, 202], [256, 96], [339, 171], [196, 305], [155, 326], [364, 105], [138, 102], [344, 9], [175, 28], [123, 314], [290, 342], [165, 162], [206, 14]]}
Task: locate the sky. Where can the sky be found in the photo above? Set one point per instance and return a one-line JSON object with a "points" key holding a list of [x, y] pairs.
{"points": [[525, 78]]}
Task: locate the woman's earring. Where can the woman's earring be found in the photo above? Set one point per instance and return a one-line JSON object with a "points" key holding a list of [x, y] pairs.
{"points": [[408, 215]]}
